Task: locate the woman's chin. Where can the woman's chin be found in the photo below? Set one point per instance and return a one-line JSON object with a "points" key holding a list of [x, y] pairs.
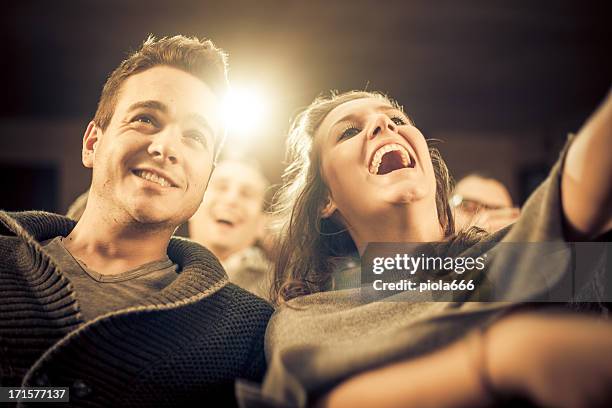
{"points": [[398, 195]]}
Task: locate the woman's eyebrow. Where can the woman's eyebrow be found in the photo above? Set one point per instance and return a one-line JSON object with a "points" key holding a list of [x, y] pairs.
{"points": [[352, 117], [391, 109]]}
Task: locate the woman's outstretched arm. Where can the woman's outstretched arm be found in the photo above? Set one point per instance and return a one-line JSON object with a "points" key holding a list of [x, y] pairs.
{"points": [[586, 183], [554, 361], [447, 378]]}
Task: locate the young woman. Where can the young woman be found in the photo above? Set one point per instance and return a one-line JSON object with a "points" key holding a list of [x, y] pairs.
{"points": [[361, 172]]}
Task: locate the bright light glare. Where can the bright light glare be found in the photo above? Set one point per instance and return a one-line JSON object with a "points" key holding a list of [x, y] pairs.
{"points": [[244, 109]]}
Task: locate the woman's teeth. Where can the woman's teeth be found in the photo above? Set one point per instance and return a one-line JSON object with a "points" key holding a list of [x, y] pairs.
{"points": [[406, 160]]}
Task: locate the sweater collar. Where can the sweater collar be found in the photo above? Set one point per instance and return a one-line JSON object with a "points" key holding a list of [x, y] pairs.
{"points": [[200, 271]]}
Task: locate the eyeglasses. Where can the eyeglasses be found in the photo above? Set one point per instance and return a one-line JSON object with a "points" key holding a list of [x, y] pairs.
{"points": [[471, 206]]}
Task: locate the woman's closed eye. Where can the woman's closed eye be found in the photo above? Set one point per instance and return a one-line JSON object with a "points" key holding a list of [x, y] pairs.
{"points": [[349, 131]]}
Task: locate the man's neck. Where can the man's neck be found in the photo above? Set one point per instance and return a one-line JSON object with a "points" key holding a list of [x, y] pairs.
{"points": [[110, 247]]}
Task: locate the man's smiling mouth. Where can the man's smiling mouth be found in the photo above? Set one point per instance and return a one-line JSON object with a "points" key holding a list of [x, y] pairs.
{"points": [[390, 157], [227, 222], [152, 177]]}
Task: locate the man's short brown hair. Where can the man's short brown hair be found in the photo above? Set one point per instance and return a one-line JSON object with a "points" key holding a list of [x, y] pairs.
{"points": [[200, 58]]}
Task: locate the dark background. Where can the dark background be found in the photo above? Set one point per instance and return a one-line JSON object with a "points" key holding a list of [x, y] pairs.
{"points": [[500, 82]]}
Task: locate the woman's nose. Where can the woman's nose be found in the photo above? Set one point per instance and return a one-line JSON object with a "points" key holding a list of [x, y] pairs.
{"points": [[382, 123]]}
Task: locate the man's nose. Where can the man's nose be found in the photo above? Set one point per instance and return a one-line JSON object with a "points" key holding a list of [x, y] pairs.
{"points": [[164, 145], [231, 197], [379, 124]]}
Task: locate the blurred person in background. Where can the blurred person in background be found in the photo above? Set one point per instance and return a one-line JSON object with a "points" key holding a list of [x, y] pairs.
{"points": [[483, 202], [231, 222]]}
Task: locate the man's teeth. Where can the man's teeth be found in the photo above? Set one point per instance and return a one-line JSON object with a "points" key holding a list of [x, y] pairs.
{"points": [[147, 175], [376, 160]]}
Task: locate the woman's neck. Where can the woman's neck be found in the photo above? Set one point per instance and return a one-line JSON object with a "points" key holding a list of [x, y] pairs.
{"points": [[399, 225]]}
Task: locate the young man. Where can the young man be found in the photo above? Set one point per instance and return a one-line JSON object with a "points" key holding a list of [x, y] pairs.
{"points": [[230, 221], [113, 307]]}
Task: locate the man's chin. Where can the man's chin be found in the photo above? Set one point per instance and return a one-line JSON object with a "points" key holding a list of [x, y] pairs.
{"points": [[153, 219]]}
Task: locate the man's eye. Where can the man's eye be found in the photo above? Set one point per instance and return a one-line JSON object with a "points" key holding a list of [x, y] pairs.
{"points": [[398, 121], [218, 186], [146, 119], [198, 137], [471, 206], [247, 193], [350, 131]]}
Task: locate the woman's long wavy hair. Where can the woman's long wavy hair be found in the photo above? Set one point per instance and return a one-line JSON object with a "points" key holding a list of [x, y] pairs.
{"points": [[308, 246]]}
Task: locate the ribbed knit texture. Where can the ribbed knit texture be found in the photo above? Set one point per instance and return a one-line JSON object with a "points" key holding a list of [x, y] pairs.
{"points": [[182, 346]]}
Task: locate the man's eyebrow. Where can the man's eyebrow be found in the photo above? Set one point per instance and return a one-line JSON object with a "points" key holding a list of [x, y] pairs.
{"points": [[150, 104], [201, 121], [162, 107]]}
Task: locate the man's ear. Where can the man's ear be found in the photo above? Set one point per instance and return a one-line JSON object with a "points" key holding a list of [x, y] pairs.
{"points": [[90, 143], [329, 208]]}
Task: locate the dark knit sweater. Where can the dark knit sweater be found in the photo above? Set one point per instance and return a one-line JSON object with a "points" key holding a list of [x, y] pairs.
{"points": [[185, 345]]}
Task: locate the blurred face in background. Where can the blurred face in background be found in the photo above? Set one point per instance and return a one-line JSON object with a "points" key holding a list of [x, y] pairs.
{"points": [[483, 202], [231, 216]]}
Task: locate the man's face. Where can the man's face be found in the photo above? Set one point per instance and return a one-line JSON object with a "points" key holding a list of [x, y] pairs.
{"points": [[488, 193], [153, 161], [483, 202], [231, 215]]}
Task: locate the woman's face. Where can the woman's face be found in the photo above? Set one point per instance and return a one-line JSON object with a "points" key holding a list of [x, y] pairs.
{"points": [[373, 160]]}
